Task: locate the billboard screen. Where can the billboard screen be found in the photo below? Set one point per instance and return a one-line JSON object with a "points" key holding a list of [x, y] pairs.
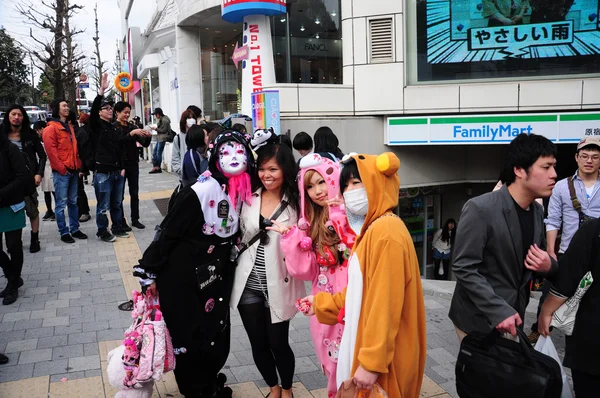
{"points": [[478, 39]]}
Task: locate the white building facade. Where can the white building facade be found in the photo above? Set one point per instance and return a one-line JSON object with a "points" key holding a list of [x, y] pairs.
{"points": [[443, 84]]}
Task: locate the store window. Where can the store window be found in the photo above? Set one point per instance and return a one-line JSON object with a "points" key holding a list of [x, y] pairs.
{"points": [[500, 39], [221, 80], [150, 95], [307, 43]]}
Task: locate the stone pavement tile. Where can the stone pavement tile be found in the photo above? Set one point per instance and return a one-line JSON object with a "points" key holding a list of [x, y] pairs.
{"points": [[241, 358], [441, 356], [246, 373], [69, 376], [6, 326], [56, 321], [450, 387], [430, 389], [87, 337], [41, 314], [17, 372], [313, 380], [246, 390], [35, 356], [21, 345], [446, 370], [28, 325], [299, 336], [50, 367], [70, 351], [36, 387], [51, 342], [433, 375], [105, 346], [16, 316], [84, 363], [320, 393], [89, 387], [167, 387], [305, 365]]}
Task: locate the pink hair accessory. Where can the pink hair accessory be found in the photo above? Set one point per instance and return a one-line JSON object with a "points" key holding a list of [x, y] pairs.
{"points": [[306, 244]]}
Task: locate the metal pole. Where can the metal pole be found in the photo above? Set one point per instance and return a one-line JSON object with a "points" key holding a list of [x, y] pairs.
{"points": [[288, 44]]}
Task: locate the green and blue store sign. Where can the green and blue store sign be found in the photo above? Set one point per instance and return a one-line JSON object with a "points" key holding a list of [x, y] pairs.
{"points": [[494, 129]]}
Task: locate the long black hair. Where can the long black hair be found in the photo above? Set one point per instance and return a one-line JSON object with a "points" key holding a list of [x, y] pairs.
{"points": [[447, 233], [327, 142], [25, 126], [285, 160]]}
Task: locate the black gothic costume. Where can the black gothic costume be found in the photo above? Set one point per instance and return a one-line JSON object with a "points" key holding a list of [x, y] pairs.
{"points": [[190, 261]]}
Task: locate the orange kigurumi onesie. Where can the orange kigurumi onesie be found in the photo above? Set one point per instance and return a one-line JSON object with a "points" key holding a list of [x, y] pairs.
{"points": [[384, 305]]}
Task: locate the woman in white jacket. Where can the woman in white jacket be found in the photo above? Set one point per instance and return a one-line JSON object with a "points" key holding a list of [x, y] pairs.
{"points": [[442, 243], [188, 119], [263, 291]]}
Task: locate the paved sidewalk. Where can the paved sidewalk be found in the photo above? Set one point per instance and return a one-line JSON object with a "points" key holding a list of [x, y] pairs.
{"points": [[66, 319]]}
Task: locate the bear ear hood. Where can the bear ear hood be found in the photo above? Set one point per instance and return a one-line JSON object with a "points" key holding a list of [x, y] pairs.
{"points": [[329, 170], [379, 175]]}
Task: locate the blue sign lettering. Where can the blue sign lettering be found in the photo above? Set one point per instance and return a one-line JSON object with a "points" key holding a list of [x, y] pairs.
{"points": [[489, 132]]}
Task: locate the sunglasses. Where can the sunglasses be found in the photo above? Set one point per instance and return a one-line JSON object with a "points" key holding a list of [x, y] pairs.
{"points": [[107, 108]]}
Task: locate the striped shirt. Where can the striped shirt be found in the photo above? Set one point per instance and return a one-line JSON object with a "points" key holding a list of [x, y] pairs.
{"points": [[257, 280]]}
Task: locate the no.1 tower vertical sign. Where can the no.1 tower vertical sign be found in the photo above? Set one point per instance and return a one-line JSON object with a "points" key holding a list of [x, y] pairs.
{"points": [[258, 68]]}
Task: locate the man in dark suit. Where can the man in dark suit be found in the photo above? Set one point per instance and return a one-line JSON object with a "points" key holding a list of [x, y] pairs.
{"points": [[501, 242]]}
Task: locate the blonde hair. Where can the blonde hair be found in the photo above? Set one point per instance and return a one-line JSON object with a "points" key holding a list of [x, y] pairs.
{"points": [[318, 216]]}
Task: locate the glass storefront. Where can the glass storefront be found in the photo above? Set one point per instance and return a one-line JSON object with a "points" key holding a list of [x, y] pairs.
{"points": [[150, 95], [502, 39], [307, 43], [221, 80]]}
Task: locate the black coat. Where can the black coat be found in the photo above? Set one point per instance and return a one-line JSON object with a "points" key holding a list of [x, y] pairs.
{"points": [[131, 154], [182, 259], [16, 181], [33, 150], [107, 140]]}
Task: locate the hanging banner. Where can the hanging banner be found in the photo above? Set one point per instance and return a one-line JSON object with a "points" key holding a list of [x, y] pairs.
{"points": [[265, 111]]}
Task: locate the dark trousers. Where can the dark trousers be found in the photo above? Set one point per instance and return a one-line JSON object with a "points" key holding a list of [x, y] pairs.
{"points": [[12, 266], [436, 269], [82, 200], [585, 385], [270, 347], [133, 181]]}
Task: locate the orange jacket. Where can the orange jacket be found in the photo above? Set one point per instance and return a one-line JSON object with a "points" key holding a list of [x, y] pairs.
{"points": [[61, 147]]}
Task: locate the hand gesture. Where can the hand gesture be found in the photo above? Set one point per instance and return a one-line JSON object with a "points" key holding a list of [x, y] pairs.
{"points": [[38, 180], [537, 260], [364, 379], [104, 82], [305, 305], [509, 325], [278, 227]]}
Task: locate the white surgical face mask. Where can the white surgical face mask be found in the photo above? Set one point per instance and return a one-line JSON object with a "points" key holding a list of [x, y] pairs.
{"points": [[232, 158], [190, 122], [356, 201]]}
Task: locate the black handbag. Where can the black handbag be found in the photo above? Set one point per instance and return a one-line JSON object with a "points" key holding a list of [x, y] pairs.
{"points": [[490, 366]]}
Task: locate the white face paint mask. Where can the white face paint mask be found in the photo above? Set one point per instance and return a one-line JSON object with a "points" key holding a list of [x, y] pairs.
{"points": [[190, 122], [233, 159], [356, 201]]}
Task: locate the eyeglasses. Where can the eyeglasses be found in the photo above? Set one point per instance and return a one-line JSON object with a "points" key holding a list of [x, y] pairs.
{"points": [[107, 108], [586, 157]]}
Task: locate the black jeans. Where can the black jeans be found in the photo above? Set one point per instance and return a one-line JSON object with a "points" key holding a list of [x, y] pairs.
{"points": [[270, 346], [82, 200], [585, 385], [12, 267], [436, 268], [132, 177]]}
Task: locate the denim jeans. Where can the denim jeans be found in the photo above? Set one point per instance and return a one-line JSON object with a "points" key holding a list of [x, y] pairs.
{"points": [[133, 180], [109, 194], [65, 189], [157, 154]]}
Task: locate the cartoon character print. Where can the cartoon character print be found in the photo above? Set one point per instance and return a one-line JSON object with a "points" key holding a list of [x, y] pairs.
{"points": [[261, 137], [333, 349], [208, 229]]}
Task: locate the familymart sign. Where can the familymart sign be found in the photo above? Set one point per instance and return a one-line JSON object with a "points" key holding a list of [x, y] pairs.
{"points": [[500, 129]]}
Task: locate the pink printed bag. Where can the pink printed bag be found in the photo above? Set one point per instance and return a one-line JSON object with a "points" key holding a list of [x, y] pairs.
{"points": [[148, 347]]}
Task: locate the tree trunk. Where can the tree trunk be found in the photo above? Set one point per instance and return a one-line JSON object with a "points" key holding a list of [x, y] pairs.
{"points": [[59, 90], [70, 82]]}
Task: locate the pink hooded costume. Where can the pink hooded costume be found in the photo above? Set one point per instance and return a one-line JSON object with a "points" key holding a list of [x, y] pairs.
{"points": [[327, 272]]}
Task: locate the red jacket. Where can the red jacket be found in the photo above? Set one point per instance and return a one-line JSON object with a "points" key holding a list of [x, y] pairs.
{"points": [[61, 147]]}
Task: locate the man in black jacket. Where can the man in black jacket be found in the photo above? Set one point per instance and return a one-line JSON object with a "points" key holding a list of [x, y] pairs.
{"points": [[132, 168], [17, 128], [109, 164]]}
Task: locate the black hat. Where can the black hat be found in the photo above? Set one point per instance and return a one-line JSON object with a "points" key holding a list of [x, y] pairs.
{"points": [[106, 101], [223, 137], [158, 111]]}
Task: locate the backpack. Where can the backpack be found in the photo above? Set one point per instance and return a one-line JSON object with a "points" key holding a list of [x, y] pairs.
{"points": [[170, 136], [148, 350], [86, 149]]}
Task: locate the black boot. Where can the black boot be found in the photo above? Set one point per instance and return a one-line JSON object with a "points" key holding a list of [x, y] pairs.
{"points": [[3, 359], [3, 293], [12, 294], [35, 242]]}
